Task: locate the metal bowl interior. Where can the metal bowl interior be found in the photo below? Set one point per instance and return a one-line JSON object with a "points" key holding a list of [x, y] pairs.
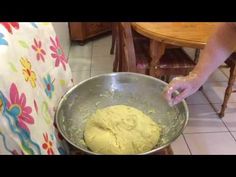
{"points": [[136, 90]]}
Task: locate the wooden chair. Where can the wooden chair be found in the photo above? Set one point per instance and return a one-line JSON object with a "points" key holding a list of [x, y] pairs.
{"points": [[133, 55], [231, 62], [114, 36], [113, 29]]}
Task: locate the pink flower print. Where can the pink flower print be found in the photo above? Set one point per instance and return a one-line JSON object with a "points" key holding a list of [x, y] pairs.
{"points": [[58, 53], [17, 106], [39, 51], [10, 25]]}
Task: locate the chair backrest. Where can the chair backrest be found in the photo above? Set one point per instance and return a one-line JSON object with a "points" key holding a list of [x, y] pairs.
{"points": [[125, 47]]}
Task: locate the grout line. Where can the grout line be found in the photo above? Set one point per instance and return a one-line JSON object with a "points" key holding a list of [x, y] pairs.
{"points": [[216, 82], [198, 118], [205, 132], [187, 144], [211, 104], [211, 113], [201, 133], [192, 104], [224, 73], [228, 129], [232, 135]]}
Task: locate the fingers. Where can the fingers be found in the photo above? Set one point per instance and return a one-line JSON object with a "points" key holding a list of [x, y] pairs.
{"points": [[185, 85], [170, 89], [168, 92], [181, 97]]}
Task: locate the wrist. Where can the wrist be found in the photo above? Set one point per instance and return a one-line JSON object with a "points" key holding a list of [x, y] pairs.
{"points": [[198, 76]]}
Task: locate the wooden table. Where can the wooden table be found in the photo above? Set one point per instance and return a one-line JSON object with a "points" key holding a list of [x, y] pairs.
{"points": [[183, 34]]}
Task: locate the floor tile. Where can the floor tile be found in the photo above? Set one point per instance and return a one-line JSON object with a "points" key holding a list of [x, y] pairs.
{"points": [[103, 41], [98, 72], [217, 76], [202, 111], [234, 135], [180, 147], [198, 125], [215, 92], [80, 76], [77, 51], [211, 143], [230, 115], [79, 64], [197, 98], [102, 63]]}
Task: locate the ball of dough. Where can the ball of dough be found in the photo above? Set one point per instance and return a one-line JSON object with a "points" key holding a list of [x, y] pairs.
{"points": [[120, 129]]}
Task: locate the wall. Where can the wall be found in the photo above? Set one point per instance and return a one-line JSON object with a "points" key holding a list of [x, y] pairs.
{"points": [[62, 31]]}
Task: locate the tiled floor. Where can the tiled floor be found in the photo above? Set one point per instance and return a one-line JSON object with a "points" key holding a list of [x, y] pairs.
{"points": [[91, 59], [205, 132]]}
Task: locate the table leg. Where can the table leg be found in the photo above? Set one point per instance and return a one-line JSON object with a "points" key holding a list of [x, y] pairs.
{"points": [[157, 49]]}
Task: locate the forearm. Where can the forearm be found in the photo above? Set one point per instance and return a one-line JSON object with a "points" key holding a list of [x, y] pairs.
{"points": [[219, 47]]}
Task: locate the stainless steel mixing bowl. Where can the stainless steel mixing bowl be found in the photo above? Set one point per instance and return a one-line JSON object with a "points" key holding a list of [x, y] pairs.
{"points": [[136, 90]]}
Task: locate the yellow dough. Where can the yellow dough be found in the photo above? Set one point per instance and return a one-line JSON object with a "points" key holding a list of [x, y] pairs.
{"points": [[121, 129]]}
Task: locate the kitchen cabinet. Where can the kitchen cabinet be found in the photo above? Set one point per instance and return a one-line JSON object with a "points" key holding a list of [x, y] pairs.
{"points": [[83, 31]]}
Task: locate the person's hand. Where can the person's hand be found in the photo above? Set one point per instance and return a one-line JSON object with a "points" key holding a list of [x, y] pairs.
{"points": [[186, 86]]}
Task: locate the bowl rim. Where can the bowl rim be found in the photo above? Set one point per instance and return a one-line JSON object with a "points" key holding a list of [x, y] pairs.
{"points": [[68, 92]]}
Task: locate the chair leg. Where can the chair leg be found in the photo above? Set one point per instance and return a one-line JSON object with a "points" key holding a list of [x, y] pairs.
{"points": [[167, 79], [112, 46], [166, 151], [200, 89], [196, 56], [161, 78], [115, 64], [116, 61], [169, 150], [228, 90], [113, 40]]}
